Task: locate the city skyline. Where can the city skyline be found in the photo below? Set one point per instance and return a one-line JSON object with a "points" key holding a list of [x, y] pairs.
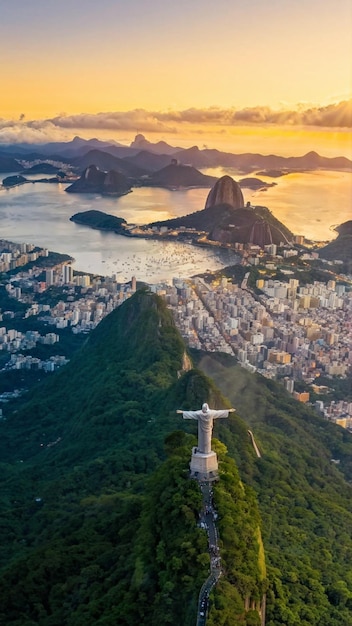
{"points": [[222, 75]]}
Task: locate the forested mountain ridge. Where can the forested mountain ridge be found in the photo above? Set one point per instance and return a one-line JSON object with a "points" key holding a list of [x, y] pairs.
{"points": [[88, 538]]}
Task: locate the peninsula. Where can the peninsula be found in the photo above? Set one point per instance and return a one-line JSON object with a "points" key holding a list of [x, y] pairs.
{"points": [[341, 247]]}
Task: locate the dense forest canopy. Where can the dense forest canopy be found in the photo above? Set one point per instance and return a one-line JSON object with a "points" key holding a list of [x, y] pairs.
{"points": [[99, 517]]}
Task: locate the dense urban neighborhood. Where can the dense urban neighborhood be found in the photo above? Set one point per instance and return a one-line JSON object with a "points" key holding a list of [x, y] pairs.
{"points": [[294, 331]]}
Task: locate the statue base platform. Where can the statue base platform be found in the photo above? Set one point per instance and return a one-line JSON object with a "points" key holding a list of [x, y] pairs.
{"points": [[204, 466]]}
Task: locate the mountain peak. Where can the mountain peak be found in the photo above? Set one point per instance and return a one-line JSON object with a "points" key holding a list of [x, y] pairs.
{"points": [[139, 139], [225, 191], [161, 147]]}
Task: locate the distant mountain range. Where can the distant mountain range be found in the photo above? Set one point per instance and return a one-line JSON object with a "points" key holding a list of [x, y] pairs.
{"points": [[161, 147], [153, 156], [64, 148], [106, 161]]}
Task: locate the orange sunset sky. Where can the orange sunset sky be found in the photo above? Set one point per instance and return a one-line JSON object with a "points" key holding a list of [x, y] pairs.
{"points": [[243, 76]]}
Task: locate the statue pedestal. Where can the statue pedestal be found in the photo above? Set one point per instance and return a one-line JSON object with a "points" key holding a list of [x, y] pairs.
{"points": [[204, 466]]}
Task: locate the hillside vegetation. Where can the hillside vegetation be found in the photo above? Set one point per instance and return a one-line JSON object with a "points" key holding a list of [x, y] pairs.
{"points": [[304, 496], [88, 537], [98, 516]]}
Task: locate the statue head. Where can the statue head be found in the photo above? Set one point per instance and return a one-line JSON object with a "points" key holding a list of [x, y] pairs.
{"points": [[205, 408]]}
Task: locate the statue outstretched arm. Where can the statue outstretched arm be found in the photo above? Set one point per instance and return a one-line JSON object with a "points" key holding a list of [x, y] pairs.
{"points": [[221, 414], [188, 415]]}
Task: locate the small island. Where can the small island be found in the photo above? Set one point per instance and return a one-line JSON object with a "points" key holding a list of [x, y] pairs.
{"points": [[13, 181], [275, 173], [100, 221], [255, 183]]}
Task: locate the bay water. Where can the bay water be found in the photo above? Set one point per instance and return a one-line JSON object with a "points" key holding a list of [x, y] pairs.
{"points": [[308, 203]]}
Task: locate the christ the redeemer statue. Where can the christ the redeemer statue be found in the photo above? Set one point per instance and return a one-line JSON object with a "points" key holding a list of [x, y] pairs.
{"points": [[205, 418]]}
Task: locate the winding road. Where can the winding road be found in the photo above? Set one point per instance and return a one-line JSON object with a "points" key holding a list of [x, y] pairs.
{"points": [[208, 517]]}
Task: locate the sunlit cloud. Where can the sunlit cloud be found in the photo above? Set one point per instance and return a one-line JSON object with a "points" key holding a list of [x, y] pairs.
{"points": [[194, 121], [332, 116], [40, 131], [337, 115], [135, 120]]}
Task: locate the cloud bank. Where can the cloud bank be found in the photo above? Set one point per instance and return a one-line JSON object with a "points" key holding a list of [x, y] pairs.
{"points": [[334, 117], [138, 119]]}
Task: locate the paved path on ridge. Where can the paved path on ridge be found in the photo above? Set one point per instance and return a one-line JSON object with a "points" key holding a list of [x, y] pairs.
{"points": [[208, 519]]}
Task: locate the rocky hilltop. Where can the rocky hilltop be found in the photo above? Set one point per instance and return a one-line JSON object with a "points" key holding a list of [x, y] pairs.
{"points": [[175, 176], [94, 180], [161, 147], [225, 191], [225, 218]]}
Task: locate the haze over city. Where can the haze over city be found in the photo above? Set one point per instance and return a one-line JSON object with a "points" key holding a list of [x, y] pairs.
{"points": [[256, 77]]}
